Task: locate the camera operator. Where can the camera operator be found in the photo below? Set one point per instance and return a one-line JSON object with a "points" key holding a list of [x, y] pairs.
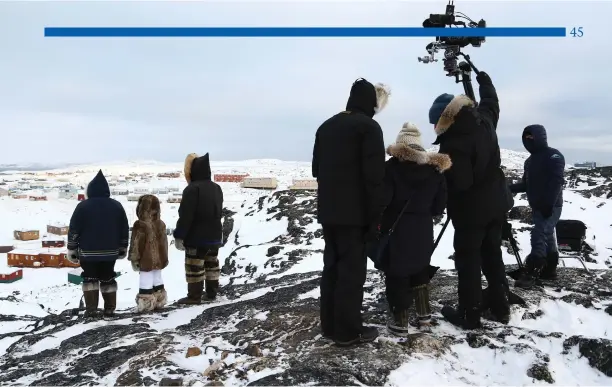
{"points": [[478, 199]]}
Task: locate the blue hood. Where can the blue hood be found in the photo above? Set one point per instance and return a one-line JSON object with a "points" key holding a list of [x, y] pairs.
{"points": [[539, 141], [98, 187]]}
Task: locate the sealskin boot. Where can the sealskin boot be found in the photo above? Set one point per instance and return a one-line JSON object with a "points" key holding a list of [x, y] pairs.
{"points": [[194, 294], [110, 303], [91, 298], [423, 309], [398, 323], [161, 297], [212, 287]]}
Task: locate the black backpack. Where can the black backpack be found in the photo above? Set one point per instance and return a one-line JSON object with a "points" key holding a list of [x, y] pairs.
{"points": [[570, 234]]}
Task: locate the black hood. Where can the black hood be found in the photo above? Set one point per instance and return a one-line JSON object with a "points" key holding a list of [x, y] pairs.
{"points": [[200, 168], [98, 187], [362, 98], [539, 140]]}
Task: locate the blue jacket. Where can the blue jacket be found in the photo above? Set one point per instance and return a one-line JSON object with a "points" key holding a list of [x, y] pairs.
{"points": [[99, 226], [543, 179]]}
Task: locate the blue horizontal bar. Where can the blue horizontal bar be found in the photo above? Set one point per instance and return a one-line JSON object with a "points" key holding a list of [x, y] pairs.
{"points": [[300, 32]]}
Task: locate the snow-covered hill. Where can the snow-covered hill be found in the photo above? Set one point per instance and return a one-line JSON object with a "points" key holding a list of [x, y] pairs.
{"points": [[264, 329]]}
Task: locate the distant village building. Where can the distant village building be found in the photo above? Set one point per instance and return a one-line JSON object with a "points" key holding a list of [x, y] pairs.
{"points": [[81, 197], [120, 191], [4, 192], [586, 164], [133, 198], [304, 184], [142, 190], [57, 229], [170, 175], [26, 235], [172, 189], [174, 198], [230, 177], [38, 198], [19, 195], [260, 182], [68, 192]]}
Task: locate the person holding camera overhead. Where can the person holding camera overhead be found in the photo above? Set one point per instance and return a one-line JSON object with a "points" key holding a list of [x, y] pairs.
{"points": [[478, 199]]}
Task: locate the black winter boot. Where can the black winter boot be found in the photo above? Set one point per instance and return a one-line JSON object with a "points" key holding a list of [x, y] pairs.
{"points": [[462, 318], [398, 323], [549, 272], [499, 306], [110, 303], [368, 334], [533, 269]]}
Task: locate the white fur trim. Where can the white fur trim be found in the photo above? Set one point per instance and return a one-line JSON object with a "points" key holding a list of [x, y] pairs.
{"points": [[161, 298], [383, 92]]}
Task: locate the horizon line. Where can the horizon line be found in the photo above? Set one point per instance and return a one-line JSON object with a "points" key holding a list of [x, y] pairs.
{"points": [[300, 32]]}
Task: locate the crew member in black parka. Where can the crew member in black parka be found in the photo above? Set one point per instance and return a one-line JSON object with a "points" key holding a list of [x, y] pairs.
{"points": [[348, 162], [199, 231], [478, 199], [98, 235], [414, 180]]}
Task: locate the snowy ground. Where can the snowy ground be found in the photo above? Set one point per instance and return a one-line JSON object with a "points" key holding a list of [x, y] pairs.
{"points": [[271, 266]]}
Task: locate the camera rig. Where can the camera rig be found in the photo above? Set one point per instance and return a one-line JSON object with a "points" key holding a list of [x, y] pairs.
{"points": [[452, 46]]}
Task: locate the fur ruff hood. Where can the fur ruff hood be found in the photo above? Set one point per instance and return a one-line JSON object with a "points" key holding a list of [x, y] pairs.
{"points": [[440, 161], [187, 166], [450, 112]]}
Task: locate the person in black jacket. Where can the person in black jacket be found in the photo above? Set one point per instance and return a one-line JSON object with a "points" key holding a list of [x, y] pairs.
{"points": [[348, 162], [199, 230], [543, 182], [98, 235], [478, 199], [415, 184]]}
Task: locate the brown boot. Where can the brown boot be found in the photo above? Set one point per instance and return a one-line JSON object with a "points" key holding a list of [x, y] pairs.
{"points": [[212, 287], [194, 294], [110, 303], [91, 297]]}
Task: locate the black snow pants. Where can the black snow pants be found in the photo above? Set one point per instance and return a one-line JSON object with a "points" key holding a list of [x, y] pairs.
{"points": [[476, 248], [99, 275], [344, 274]]}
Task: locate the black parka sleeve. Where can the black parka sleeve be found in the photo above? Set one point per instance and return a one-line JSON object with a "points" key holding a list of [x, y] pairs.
{"points": [[187, 210], [489, 103], [439, 202]]}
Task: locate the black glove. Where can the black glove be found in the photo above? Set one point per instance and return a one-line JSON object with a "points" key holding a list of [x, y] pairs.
{"points": [[546, 212], [483, 78]]}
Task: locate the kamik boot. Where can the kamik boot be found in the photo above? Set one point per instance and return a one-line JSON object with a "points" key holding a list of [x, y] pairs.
{"points": [[212, 288], [91, 296], [398, 322], [109, 295], [194, 294], [462, 317], [161, 297], [423, 319], [145, 301]]}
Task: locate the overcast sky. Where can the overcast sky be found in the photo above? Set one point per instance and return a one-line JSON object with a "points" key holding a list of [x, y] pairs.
{"points": [[109, 99]]}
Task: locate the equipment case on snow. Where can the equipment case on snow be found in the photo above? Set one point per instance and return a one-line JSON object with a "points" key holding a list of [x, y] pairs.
{"points": [[570, 234]]}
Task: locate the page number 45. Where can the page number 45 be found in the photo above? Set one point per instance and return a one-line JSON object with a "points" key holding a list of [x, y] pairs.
{"points": [[577, 32]]}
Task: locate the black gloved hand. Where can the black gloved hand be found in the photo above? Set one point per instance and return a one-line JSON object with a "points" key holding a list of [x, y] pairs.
{"points": [[546, 212], [483, 78]]}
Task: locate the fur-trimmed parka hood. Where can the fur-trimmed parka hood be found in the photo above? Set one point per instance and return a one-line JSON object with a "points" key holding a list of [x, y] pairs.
{"points": [[402, 152], [451, 111], [148, 208], [368, 98], [197, 168]]}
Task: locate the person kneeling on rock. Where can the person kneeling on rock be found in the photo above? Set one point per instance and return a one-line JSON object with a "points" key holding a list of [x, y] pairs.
{"points": [[199, 230], [149, 254], [416, 188]]}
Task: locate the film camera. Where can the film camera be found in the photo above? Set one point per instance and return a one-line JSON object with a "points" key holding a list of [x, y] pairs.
{"points": [[451, 45]]}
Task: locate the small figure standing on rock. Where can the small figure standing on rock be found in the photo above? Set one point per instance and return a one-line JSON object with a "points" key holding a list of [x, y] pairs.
{"points": [[149, 254], [348, 162], [478, 199], [98, 235], [199, 230], [417, 192], [543, 182]]}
